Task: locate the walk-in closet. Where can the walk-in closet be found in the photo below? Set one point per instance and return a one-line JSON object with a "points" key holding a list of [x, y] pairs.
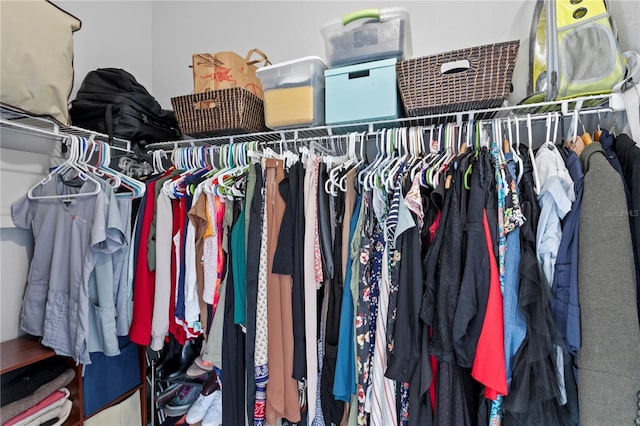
{"points": [[279, 213]]}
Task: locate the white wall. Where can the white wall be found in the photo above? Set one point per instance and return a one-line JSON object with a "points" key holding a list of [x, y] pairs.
{"points": [[287, 30], [19, 170], [154, 39], [114, 34], [626, 17], [16, 247]]}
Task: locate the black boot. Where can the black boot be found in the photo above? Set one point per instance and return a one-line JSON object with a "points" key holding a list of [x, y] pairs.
{"points": [[177, 366]]}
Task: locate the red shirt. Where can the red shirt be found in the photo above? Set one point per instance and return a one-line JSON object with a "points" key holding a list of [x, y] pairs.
{"points": [[144, 281], [178, 206], [489, 363]]}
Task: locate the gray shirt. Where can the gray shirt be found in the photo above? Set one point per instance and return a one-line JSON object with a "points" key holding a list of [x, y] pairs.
{"points": [[67, 236], [104, 281], [121, 270]]}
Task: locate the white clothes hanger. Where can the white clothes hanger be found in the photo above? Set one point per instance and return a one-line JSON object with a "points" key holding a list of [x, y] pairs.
{"points": [[103, 171], [434, 168], [422, 153], [184, 160], [340, 183], [391, 179], [137, 188], [364, 177], [157, 157], [536, 178], [238, 166], [434, 155], [354, 162], [550, 136], [386, 143], [450, 153], [226, 161], [556, 117], [392, 156], [516, 151], [70, 164], [497, 139]]}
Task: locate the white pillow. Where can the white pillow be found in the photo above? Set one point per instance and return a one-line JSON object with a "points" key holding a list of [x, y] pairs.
{"points": [[36, 47]]}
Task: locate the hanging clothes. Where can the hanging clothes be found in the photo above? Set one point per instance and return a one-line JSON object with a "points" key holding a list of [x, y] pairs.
{"points": [[555, 198], [515, 326], [233, 339], [68, 236], [345, 385], [311, 282], [628, 154], [438, 299], [454, 395], [144, 282], [565, 303], [362, 317], [609, 360], [102, 335], [474, 287], [282, 388], [253, 202], [162, 299], [261, 356], [534, 365]]}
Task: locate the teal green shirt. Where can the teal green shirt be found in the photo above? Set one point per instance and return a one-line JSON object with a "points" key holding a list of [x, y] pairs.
{"points": [[239, 267]]}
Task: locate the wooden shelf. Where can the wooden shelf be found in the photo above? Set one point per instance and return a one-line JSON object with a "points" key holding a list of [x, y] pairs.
{"points": [[27, 350], [20, 352]]}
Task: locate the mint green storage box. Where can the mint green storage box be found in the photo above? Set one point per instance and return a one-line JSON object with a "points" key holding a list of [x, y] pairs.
{"points": [[362, 92]]}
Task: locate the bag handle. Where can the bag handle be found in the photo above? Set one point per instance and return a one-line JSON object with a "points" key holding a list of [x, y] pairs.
{"points": [[265, 61]]}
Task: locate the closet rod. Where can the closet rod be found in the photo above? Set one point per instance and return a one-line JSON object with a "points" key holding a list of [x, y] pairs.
{"points": [[607, 102]]}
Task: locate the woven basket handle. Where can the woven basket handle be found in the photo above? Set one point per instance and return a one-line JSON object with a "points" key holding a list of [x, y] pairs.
{"points": [[205, 104], [265, 61], [454, 67]]}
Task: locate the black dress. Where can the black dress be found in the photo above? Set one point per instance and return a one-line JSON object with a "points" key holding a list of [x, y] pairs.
{"points": [[534, 394], [455, 403]]}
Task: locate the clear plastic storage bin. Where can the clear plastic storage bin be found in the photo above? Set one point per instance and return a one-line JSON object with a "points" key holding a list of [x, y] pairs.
{"points": [[368, 35], [293, 93]]}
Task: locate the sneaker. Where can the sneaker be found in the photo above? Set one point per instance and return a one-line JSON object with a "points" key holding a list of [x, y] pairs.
{"points": [[180, 403], [167, 395], [213, 416], [199, 407]]}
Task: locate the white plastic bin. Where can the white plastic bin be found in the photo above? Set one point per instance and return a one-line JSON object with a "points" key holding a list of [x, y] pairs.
{"points": [[368, 35], [293, 93]]}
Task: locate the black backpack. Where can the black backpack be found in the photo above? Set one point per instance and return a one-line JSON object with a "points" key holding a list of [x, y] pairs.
{"points": [[111, 101]]}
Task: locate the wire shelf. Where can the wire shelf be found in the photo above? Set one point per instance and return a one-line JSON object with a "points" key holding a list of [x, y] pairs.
{"points": [[587, 104], [42, 126]]}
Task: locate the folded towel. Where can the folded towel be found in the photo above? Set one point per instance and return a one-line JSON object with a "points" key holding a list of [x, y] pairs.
{"points": [[52, 401], [9, 411], [60, 413]]}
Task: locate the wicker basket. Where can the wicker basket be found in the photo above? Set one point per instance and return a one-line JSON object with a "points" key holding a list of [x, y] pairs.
{"points": [[460, 80], [219, 113]]}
